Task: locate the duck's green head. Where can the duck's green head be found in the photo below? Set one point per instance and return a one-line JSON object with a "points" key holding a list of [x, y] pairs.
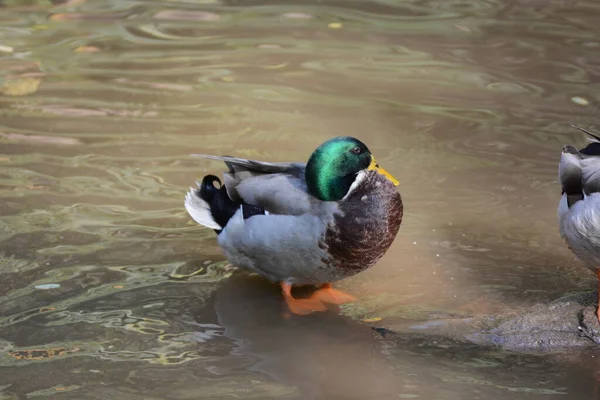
{"points": [[334, 165]]}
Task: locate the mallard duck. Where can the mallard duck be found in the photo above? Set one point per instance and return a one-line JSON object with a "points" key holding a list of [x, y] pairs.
{"points": [[302, 224], [579, 206]]}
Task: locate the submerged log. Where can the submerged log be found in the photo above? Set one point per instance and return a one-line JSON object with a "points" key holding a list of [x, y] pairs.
{"points": [[566, 323]]}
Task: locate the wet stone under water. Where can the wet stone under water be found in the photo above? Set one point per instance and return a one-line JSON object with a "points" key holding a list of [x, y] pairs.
{"points": [[109, 290]]}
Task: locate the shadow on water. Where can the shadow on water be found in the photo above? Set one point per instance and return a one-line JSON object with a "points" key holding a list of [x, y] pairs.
{"points": [[324, 354], [327, 355]]}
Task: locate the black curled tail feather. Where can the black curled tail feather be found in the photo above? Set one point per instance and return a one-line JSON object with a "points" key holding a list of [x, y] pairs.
{"points": [[222, 207], [208, 190]]}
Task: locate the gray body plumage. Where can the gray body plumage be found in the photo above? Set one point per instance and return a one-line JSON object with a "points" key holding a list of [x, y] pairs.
{"points": [[290, 243], [579, 206]]}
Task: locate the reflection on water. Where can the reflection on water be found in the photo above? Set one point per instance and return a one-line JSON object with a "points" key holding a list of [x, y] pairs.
{"points": [[109, 290]]}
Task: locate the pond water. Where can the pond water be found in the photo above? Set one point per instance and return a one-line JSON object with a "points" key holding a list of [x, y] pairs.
{"points": [[110, 291]]}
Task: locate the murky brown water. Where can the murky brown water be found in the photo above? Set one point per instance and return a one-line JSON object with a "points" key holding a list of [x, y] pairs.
{"points": [[466, 102]]}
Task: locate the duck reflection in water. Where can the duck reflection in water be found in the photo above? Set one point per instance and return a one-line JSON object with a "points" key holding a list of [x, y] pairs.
{"points": [[325, 355]]}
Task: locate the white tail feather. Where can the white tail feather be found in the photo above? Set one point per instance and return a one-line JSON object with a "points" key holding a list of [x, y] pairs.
{"points": [[199, 210]]}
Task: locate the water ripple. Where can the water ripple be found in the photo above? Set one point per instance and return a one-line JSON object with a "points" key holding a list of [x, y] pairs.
{"points": [[109, 289]]}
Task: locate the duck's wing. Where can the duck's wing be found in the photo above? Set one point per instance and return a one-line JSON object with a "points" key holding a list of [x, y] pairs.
{"points": [[279, 188], [579, 170]]}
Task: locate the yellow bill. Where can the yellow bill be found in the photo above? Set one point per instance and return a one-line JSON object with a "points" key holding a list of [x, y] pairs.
{"points": [[375, 167]]}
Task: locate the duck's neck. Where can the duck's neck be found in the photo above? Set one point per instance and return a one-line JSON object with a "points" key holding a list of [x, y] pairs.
{"points": [[330, 189]]}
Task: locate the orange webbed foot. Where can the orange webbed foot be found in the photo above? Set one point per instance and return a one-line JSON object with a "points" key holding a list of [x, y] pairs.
{"points": [[329, 295], [301, 306], [305, 306]]}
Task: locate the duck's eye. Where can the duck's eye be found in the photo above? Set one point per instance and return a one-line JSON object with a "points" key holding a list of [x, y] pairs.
{"points": [[355, 150]]}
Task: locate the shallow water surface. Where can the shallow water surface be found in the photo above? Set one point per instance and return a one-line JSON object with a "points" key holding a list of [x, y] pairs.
{"points": [[109, 290]]}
